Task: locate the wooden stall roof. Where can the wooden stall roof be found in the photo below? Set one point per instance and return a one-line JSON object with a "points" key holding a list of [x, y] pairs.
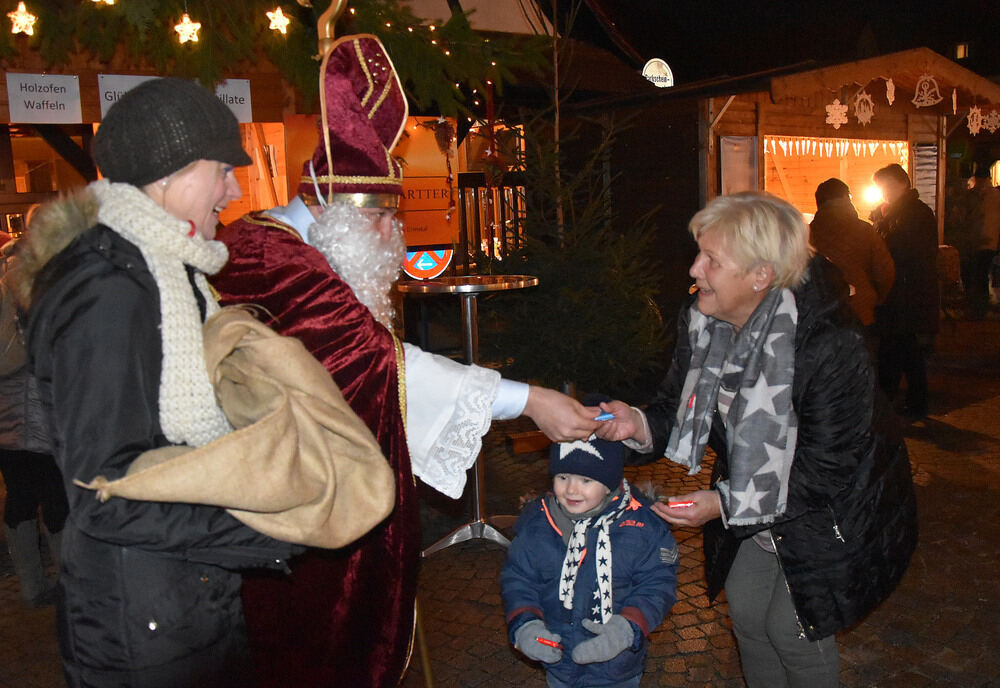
{"points": [[808, 82], [905, 68]]}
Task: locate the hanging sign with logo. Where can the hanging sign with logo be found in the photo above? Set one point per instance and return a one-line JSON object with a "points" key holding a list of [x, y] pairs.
{"points": [[659, 72], [44, 98]]}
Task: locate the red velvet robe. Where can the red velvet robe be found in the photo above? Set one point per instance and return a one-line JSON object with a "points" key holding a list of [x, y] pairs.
{"points": [[343, 617]]}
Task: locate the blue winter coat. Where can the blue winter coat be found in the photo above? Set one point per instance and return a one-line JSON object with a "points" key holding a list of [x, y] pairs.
{"points": [[644, 579]]}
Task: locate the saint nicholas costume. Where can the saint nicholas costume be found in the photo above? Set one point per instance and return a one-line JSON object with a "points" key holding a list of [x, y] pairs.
{"points": [[345, 617]]}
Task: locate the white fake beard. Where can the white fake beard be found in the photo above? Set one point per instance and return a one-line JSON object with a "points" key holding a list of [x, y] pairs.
{"points": [[356, 252]]}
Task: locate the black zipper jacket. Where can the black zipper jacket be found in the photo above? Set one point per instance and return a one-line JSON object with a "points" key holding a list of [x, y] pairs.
{"points": [[151, 590], [850, 526]]}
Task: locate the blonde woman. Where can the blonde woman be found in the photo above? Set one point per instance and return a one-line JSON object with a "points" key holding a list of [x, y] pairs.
{"points": [[810, 519]]}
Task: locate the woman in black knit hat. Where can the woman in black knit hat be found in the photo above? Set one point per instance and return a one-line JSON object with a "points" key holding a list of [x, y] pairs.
{"points": [[113, 282]]}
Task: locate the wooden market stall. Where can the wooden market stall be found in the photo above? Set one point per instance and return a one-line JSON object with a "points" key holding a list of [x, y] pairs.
{"points": [[769, 130], [844, 121]]}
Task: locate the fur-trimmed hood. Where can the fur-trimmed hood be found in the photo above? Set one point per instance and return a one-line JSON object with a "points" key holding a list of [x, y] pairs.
{"points": [[52, 228]]}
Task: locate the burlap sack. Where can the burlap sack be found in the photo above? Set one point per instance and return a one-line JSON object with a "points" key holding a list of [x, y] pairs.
{"points": [[300, 466]]}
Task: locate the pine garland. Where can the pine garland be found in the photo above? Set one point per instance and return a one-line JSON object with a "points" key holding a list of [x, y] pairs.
{"points": [[234, 34]]}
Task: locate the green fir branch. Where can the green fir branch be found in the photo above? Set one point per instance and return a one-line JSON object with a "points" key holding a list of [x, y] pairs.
{"points": [[234, 34]]}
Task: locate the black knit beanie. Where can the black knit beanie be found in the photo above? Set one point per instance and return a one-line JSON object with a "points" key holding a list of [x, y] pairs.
{"points": [[161, 126], [599, 459]]}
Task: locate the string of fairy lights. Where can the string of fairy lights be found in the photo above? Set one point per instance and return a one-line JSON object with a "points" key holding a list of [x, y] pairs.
{"points": [[23, 21], [453, 42]]}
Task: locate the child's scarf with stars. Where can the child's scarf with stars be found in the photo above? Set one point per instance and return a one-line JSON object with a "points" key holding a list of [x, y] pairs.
{"points": [[602, 558]]}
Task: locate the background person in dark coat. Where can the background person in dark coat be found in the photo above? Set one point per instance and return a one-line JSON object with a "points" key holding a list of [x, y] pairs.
{"points": [[982, 236], [851, 244], [29, 472], [116, 293], [908, 320], [811, 518]]}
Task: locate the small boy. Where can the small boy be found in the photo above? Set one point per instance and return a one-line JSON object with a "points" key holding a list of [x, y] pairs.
{"points": [[590, 573]]}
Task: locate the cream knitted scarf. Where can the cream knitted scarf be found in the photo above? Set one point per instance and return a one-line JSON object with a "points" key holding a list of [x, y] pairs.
{"points": [[189, 413]]}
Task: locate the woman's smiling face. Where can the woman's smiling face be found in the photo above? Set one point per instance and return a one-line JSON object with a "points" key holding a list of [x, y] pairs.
{"points": [[725, 289], [198, 193]]}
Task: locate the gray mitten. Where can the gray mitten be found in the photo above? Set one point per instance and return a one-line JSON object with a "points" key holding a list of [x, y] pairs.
{"points": [[611, 638], [526, 639]]}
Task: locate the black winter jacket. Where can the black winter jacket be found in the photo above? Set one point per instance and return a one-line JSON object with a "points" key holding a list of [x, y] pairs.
{"points": [[850, 526], [151, 593], [910, 232]]}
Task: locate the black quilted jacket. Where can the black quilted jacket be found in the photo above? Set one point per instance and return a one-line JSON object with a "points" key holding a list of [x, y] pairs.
{"points": [[850, 527], [150, 590]]}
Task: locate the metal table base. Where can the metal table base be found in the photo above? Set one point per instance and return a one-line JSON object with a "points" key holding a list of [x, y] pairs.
{"points": [[467, 288]]}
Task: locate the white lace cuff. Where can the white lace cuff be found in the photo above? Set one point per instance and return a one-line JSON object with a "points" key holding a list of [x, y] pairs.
{"points": [[448, 410]]}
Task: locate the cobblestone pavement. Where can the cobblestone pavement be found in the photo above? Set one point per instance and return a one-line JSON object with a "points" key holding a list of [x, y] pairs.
{"points": [[939, 628]]}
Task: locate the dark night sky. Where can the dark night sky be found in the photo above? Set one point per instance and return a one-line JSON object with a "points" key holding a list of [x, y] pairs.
{"points": [[711, 38]]}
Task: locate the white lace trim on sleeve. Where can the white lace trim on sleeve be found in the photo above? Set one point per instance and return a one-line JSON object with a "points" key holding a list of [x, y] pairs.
{"points": [[449, 409]]}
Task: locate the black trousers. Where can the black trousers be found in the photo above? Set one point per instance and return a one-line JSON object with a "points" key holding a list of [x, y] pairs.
{"points": [[976, 279], [33, 480], [899, 355]]}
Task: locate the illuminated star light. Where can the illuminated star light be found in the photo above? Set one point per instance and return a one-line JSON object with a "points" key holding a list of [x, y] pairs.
{"points": [[187, 29], [106, 2], [279, 22], [22, 20]]}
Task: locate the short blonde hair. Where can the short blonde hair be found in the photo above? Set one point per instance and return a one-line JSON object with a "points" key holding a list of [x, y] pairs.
{"points": [[758, 228]]}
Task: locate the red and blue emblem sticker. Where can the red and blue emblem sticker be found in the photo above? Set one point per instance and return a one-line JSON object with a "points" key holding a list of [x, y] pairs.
{"points": [[427, 263]]}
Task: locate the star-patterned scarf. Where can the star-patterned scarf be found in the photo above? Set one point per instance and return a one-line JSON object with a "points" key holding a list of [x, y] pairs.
{"points": [[755, 364], [602, 558]]}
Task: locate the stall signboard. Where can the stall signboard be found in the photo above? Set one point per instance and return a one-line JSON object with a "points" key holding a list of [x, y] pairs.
{"points": [[44, 98], [235, 93], [428, 207], [114, 86]]}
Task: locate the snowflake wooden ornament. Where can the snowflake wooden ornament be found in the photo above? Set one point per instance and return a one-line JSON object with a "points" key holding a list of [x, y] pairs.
{"points": [[864, 108], [992, 121], [975, 120], [836, 114], [927, 93], [890, 91]]}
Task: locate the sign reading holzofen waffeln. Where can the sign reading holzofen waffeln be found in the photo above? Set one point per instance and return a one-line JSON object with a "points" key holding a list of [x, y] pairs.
{"points": [[44, 98]]}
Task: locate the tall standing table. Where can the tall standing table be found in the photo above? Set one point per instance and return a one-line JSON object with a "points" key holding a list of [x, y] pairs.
{"points": [[467, 288]]}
